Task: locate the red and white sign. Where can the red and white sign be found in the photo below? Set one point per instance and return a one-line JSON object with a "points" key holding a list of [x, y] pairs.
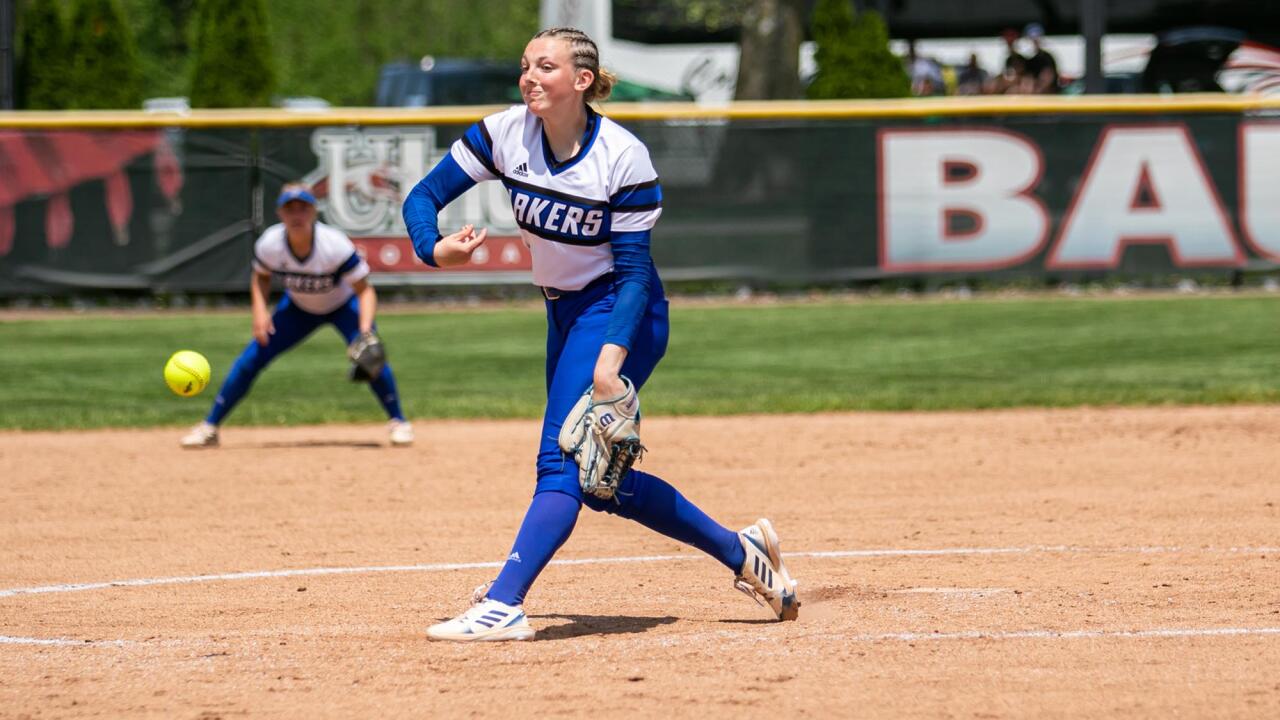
{"points": [[363, 177], [965, 199], [932, 181], [1259, 167], [395, 255], [1145, 185]]}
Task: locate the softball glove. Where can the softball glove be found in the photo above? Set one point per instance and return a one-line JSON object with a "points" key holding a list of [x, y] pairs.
{"points": [[368, 356], [604, 439]]}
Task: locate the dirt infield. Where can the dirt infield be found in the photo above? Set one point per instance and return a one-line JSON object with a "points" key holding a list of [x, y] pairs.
{"points": [[1117, 562]]}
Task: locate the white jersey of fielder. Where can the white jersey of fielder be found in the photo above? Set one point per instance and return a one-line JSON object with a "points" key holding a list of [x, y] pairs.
{"points": [[320, 282], [566, 210]]}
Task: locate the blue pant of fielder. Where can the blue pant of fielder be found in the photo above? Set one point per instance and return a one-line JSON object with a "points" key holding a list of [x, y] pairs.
{"points": [[292, 326]]}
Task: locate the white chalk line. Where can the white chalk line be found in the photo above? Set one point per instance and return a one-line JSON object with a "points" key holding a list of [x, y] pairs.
{"points": [[1043, 634], [967, 635], [444, 567], [976, 592], [8, 640], [1068, 634]]}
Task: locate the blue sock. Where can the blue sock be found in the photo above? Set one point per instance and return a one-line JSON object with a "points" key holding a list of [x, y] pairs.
{"points": [[239, 380], [657, 505], [546, 526], [384, 388]]}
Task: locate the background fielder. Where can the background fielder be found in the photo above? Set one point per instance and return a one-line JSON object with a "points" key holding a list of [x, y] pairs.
{"points": [[325, 281]]}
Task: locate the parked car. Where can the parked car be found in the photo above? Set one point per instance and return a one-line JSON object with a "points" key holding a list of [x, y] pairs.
{"points": [[453, 81], [1200, 59]]}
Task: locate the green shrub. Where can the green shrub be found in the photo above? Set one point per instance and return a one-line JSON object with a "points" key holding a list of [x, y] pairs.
{"points": [[43, 62], [103, 57], [853, 55], [233, 66]]}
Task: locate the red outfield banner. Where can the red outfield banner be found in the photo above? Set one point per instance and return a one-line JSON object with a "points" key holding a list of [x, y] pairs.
{"points": [[966, 199], [395, 255], [1048, 196]]}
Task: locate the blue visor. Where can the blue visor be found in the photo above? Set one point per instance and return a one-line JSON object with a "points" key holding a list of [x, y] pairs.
{"points": [[295, 194]]}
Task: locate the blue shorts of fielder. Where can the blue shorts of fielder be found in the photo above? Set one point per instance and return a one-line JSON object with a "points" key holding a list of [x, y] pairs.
{"points": [[293, 325], [576, 326]]}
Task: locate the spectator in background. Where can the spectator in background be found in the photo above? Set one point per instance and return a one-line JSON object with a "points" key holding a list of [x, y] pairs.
{"points": [[972, 79], [1014, 63], [925, 74], [1014, 80], [1041, 67]]}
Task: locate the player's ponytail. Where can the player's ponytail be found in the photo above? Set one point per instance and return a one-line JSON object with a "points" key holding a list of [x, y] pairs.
{"points": [[602, 87], [586, 56]]}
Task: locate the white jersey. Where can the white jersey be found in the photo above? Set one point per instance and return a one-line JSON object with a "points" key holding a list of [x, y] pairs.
{"points": [[320, 282], [566, 210]]}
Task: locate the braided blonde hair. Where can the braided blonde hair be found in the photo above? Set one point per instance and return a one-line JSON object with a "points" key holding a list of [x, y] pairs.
{"points": [[586, 56]]}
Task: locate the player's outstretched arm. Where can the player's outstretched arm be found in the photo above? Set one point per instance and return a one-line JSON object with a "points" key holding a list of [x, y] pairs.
{"points": [[259, 290], [422, 207], [607, 379], [368, 300]]}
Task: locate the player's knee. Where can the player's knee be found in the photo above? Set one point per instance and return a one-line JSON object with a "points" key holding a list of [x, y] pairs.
{"points": [[599, 504], [626, 499], [252, 360]]}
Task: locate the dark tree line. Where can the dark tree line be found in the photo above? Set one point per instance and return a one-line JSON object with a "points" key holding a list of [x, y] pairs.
{"points": [[75, 54], [83, 54]]}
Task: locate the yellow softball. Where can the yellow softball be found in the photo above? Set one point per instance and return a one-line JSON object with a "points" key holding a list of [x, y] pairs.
{"points": [[187, 372]]}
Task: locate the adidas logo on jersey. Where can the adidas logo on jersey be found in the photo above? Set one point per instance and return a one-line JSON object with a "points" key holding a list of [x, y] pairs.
{"points": [[521, 170]]}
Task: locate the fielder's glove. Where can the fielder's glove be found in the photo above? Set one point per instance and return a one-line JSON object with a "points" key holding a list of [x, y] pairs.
{"points": [[604, 438], [368, 356]]}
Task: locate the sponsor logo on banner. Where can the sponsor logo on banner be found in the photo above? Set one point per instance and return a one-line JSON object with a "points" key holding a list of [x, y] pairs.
{"points": [[360, 182]]}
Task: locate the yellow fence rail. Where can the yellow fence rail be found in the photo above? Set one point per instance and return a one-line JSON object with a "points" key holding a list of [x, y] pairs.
{"points": [[762, 110]]}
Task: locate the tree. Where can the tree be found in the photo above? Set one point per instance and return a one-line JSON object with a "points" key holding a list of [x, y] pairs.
{"points": [[233, 62], [853, 55], [43, 66], [104, 60], [769, 66], [164, 44], [337, 53]]}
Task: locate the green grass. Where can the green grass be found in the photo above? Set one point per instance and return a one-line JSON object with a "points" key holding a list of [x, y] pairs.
{"points": [[105, 371]]}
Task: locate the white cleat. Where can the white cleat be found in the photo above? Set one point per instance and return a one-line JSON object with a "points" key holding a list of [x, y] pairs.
{"points": [[401, 433], [486, 621], [764, 578], [203, 435]]}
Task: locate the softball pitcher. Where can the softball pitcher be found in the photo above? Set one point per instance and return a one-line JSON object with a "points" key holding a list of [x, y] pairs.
{"points": [[325, 282], [585, 197]]}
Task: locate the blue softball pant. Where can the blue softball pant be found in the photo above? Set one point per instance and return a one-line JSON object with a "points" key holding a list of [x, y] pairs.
{"points": [[293, 325], [576, 326]]}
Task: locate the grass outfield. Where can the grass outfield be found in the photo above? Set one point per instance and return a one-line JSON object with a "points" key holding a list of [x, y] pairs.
{"points": [[105, 370]]}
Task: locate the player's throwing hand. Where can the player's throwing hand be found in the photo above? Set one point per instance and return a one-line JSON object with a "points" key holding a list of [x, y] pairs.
{"points": [[456, 248], [263, 328]]}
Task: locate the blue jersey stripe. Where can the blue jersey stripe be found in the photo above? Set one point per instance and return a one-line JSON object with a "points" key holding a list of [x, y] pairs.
{"points": [[636, 198], [637, 208], [348, 265], [562, 237], [484, 135], [553, 194], [477, 140], [588, 139]]}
